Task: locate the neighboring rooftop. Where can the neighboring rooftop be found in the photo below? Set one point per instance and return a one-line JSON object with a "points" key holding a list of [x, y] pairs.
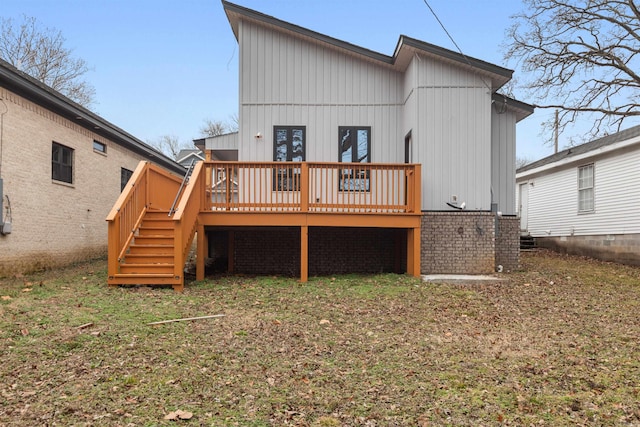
{"points": [[624, 135]]}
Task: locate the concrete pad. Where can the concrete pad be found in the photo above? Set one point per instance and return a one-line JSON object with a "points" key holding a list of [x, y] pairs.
{"points": [[461, 279]]}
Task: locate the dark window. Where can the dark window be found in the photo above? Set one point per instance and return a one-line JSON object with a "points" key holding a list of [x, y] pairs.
{"points": [[99, 147], [61, 163], [125, 174], [354, 147], [288, 146]]}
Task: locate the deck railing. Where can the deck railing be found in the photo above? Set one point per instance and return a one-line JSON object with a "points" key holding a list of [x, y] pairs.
{"points": [[186, 217], [312, 187]]}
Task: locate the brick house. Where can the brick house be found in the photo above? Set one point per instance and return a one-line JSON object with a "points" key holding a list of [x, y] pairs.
{"points": [[61, 169], [349, 160]]}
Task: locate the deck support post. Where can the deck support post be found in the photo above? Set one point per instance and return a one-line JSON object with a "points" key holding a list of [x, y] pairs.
{"points": [[304, 253], [413, 251], [201, 252]]}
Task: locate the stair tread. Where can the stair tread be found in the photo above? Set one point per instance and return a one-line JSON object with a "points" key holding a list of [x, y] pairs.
{"points": [[148, 255], [134, 275], [155, 264]]}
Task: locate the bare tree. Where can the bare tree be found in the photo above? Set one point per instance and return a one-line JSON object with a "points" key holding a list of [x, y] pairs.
{"points": [[218, 127], [522, 161], [41, 54], [580, 57], [234, 122], [213, 128], [169, 145]]}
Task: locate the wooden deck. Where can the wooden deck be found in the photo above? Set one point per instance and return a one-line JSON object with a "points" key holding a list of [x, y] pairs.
{"points": [[143, 231]]}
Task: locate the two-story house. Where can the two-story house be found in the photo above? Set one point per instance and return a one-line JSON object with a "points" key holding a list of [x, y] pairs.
{"points": [[351, 160]]}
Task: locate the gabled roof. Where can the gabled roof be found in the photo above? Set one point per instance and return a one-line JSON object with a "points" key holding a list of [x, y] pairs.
{"points": [[404, 51], [583, 150], [26, 86], [189, 152]]}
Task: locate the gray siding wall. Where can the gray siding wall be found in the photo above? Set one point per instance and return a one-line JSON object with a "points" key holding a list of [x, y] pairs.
{"points": [[451, 121], [285, 80], [503, 161]]}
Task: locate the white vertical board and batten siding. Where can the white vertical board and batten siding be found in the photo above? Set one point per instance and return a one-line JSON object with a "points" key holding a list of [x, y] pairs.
{"points": [[503, 160], [451, 133], [293, 81], [553, 199]]}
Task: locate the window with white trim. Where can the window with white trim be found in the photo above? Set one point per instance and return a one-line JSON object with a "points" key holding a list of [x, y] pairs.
{"points": [[585, 188]]}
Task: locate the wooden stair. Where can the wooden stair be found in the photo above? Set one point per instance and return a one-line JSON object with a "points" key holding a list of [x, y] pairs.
{"points": [[149, 259]]}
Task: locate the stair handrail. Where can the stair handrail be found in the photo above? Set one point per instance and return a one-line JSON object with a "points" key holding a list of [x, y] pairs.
{"points": [[186, 217], [182, 185], [125, 245], [133, 201]]}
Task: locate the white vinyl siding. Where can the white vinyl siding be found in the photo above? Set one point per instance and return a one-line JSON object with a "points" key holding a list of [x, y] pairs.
{"points": [[553, 199], [585, 188]]}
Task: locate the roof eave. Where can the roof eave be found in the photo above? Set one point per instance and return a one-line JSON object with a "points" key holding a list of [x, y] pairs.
{"points": [[234, 12], [521, 109], [72, 111]]}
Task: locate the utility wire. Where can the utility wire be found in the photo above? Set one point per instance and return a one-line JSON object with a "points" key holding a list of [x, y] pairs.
{"points": [[454, 42]]}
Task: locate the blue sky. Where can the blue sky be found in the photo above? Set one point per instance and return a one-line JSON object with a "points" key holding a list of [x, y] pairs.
{"points": [[162, 67]]}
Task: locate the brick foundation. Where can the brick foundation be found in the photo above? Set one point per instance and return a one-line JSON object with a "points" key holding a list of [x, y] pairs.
{"points": [[508, 243], [458, 243]]}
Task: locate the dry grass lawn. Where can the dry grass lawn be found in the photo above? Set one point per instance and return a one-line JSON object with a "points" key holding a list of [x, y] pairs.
{"points": [[556, 344]]}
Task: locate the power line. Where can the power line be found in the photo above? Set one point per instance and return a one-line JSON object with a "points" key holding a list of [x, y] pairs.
{"points": [[454, 42]]}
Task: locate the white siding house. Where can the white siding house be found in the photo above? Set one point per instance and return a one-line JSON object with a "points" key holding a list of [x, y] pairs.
{"points": [[585, 199], [424, 104]]}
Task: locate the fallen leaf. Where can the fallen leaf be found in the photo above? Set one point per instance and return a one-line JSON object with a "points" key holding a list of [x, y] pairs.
{"points": [[271, 381], [171, 416], [5, 297], [324, 322], [184, 415], [24, 332], [178, 415], [26, 290]]}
